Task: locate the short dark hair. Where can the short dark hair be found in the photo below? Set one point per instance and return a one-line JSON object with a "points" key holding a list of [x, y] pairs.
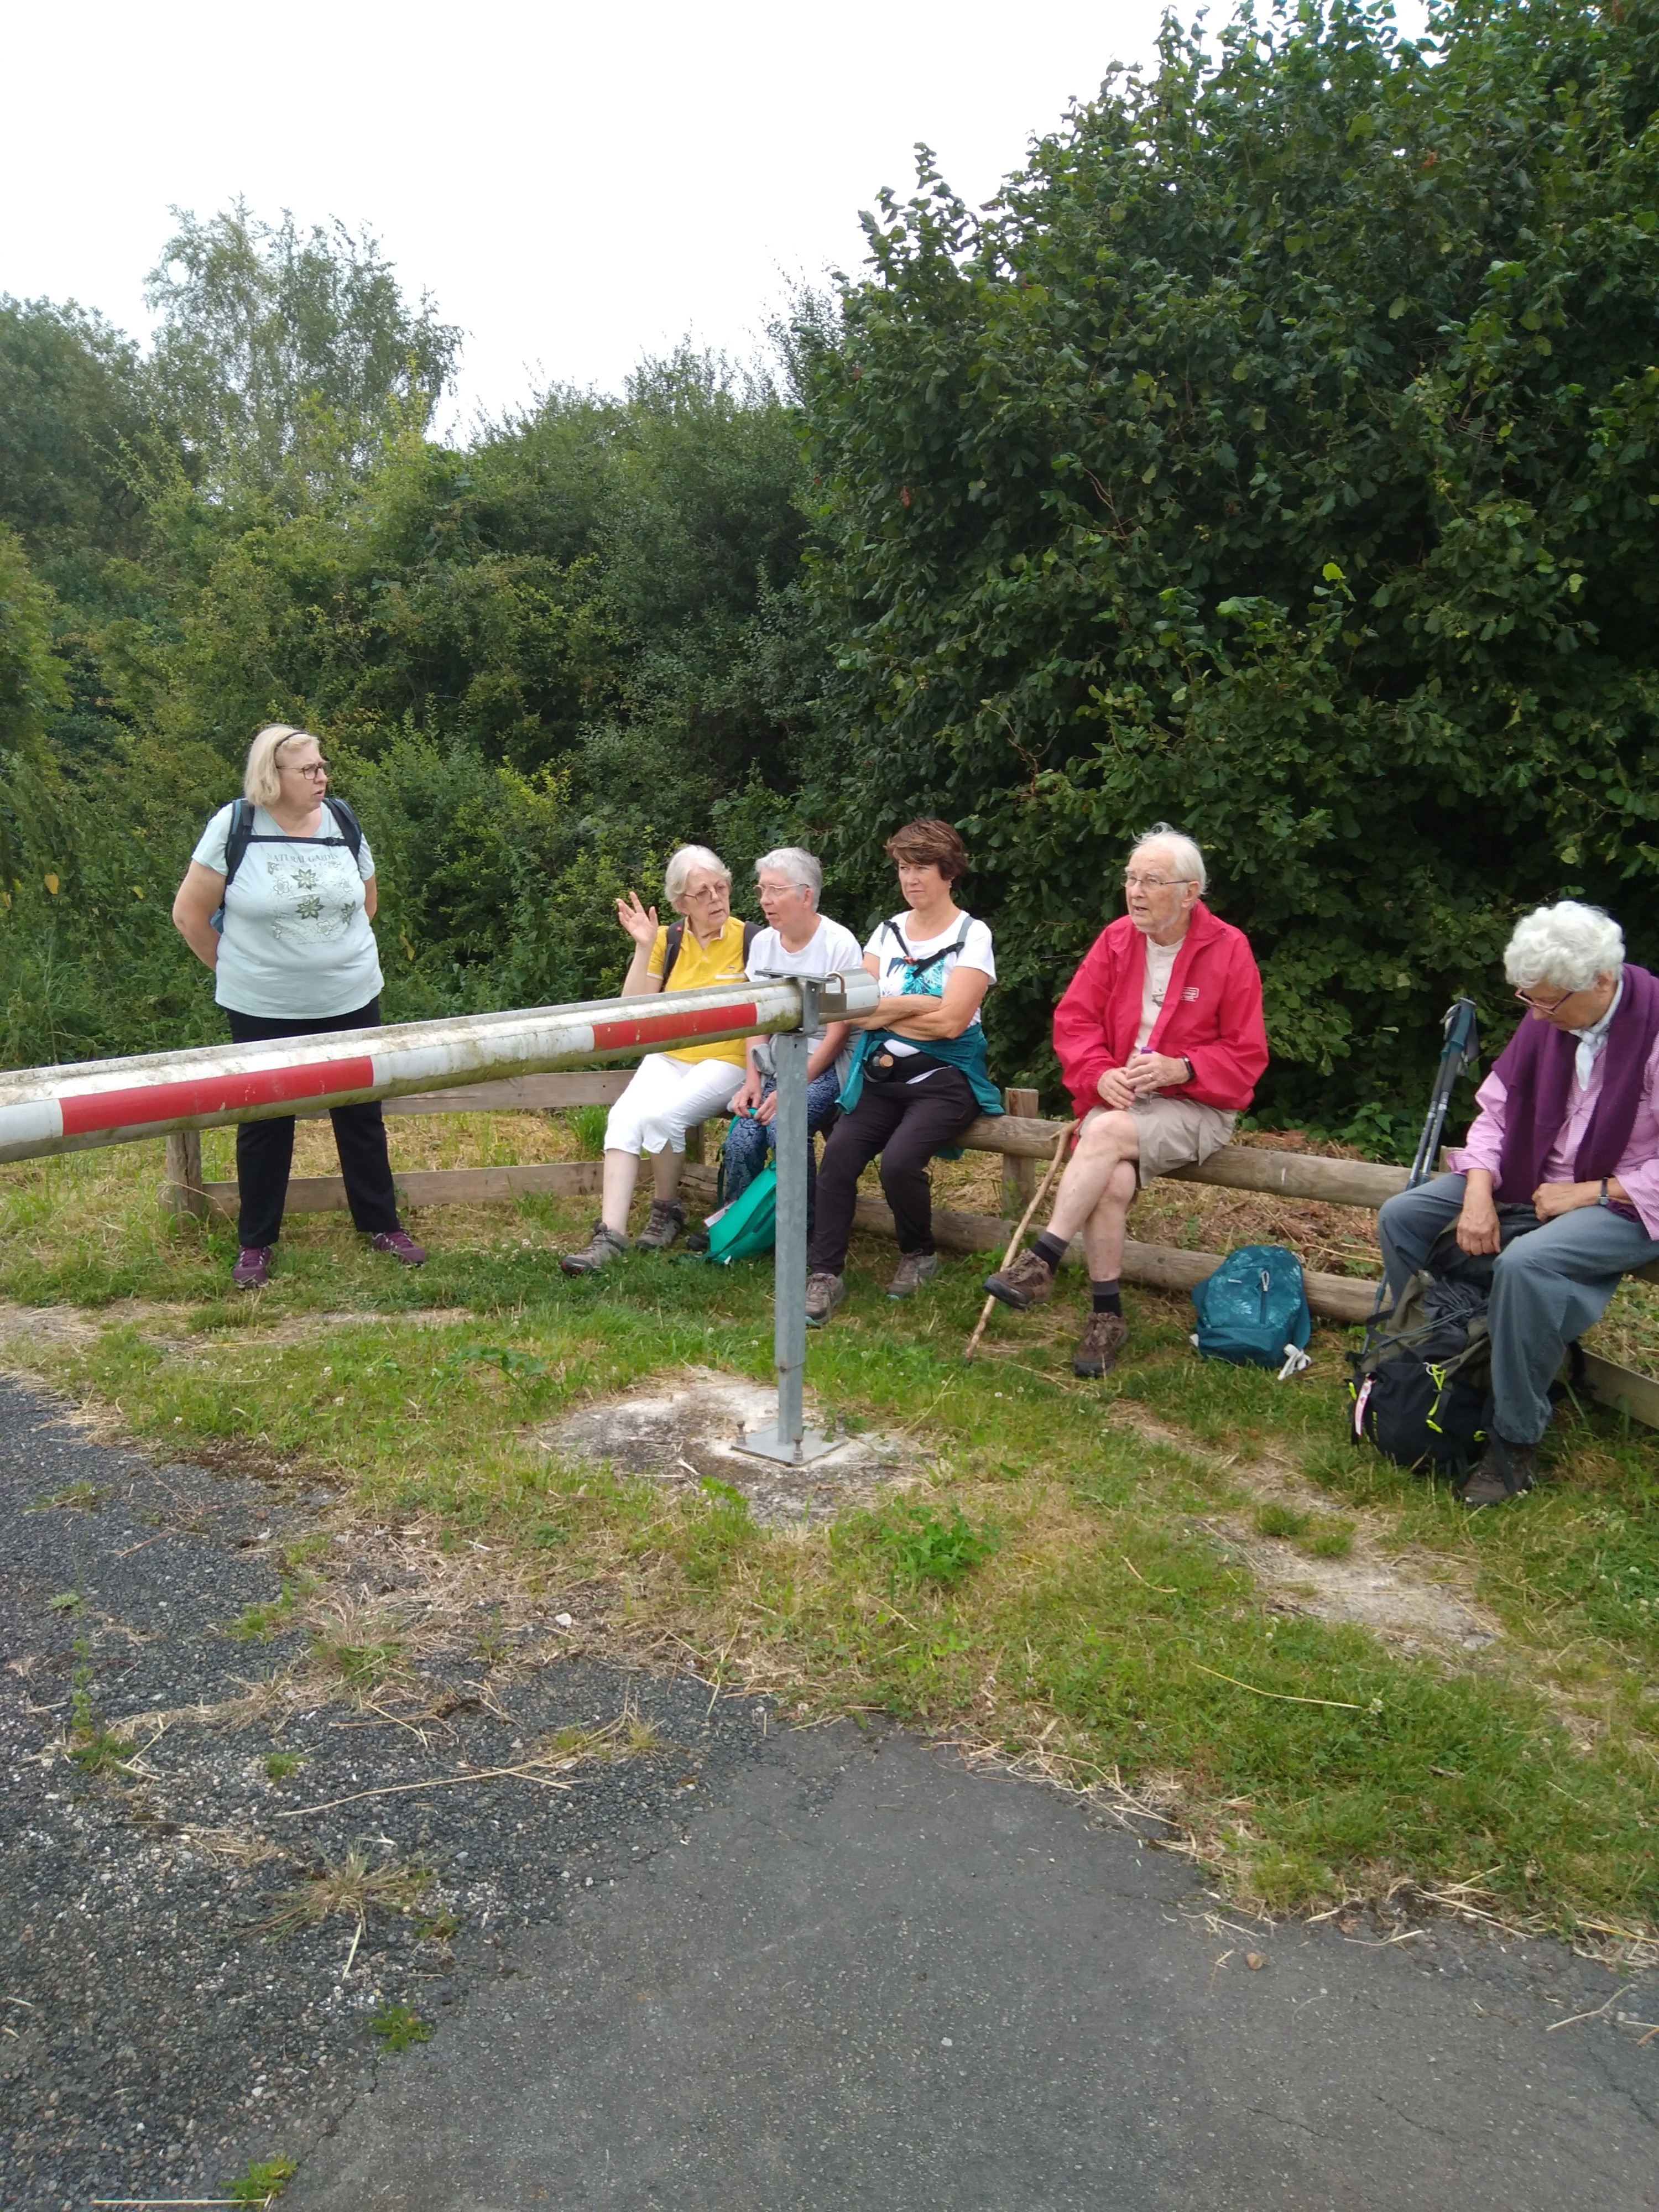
{"points": [[929, 841]]}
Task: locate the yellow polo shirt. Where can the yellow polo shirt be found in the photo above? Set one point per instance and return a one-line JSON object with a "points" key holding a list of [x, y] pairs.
{"points": [[698, 968]]}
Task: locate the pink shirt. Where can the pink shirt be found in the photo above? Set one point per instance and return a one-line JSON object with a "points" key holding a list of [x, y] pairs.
{"points": [[1638, 1170]]}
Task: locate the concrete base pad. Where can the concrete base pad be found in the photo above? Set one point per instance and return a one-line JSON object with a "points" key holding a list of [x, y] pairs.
{"points": [[685, 1428]]}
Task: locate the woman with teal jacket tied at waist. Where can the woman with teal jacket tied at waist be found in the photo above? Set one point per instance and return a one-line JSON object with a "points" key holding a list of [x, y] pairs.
{"points": [[918, 1076]]}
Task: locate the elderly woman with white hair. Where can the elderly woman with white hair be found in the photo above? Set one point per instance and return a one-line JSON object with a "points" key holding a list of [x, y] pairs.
{"points": [[671, 1092], [277, 902], [796, 941], [1160, 1040], [1557, 1181]]}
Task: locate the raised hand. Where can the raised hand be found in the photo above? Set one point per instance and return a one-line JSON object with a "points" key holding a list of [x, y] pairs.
{"points": [[639, 921]]}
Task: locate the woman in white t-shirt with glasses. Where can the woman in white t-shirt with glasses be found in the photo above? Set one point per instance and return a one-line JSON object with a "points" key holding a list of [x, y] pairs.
{"points": [[918, 1076], [286, 932]]}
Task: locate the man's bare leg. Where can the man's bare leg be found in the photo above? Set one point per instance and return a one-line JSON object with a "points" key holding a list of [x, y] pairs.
{"points": [[1109, 1141], [1102, 1233]]}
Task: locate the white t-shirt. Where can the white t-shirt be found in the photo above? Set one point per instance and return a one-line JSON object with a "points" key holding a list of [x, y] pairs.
{"points": [[1160, 966], [296, 942], [830, 951], [893, 951]]}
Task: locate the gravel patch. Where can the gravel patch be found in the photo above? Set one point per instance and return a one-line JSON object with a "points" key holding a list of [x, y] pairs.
{"points": [[206, 1914]]}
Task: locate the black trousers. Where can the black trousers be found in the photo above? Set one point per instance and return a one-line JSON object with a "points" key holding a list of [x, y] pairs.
{"points": [[264, 1150], [906, 1123]]}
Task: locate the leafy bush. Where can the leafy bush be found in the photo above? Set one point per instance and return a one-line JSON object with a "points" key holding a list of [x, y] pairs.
{"points": [[1278, 456]]}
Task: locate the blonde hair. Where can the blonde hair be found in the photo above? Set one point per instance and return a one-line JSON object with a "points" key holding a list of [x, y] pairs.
{"points": [[260, 781]]}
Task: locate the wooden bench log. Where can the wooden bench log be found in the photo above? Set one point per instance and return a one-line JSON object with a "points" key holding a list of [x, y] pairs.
{"points": [[437, 1187]]}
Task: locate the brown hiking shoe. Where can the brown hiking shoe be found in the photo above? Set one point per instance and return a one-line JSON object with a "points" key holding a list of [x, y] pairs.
{"points": [[824, 1294], [1099, 1345], [667, 1219], [1025, 1281], [913, 1269], [599, 1251], [1506, 1471]]}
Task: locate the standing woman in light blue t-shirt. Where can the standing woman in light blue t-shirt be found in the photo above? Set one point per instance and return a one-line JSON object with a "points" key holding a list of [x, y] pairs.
{"points": [[287, 935]]}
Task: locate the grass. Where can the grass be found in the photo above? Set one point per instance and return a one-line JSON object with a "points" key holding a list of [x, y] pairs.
{"points": [[399, 2028], [263, 2181], [1068, 1581]]}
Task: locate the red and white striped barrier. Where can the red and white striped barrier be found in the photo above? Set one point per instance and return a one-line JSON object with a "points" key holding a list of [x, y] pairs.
{"points": [[112, 1102]]}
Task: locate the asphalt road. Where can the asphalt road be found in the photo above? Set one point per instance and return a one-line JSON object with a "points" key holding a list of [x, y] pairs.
{"points": [[759, 1967]]}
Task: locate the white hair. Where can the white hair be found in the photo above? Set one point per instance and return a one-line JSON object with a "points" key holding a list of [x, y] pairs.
{"points": [[796, 865], [1568, 945], [1187, 860], [684, 864]]}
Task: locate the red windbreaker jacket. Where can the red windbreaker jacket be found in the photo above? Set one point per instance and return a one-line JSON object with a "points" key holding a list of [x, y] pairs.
{"points": [[1212, 1012]]}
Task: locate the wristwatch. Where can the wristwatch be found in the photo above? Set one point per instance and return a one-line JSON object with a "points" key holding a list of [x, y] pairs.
{"points": [[1604, 1199], [1188, 1065]]}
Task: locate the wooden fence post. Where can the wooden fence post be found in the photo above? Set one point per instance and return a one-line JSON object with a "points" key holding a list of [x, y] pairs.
{"points": [[1018, 1176], [185, 1191]]}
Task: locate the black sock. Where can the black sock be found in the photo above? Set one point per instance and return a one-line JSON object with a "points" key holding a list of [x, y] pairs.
{"points": [[1051, 1250], [1108, 1298]]}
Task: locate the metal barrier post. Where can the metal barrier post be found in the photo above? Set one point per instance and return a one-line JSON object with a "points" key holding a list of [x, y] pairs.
{"points": [[788, 1439]]}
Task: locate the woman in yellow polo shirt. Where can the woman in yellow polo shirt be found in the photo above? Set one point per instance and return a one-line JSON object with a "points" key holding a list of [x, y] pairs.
{"points": [[671, 1091]]}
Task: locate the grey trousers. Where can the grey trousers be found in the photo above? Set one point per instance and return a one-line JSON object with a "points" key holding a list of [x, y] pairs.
{"points": [[1548, 1287]]}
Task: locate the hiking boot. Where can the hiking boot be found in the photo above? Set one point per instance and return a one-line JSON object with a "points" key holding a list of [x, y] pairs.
{"points": [[667, 1219], [914, 1268], [824, 1294], [601, 1249], [1026, 1281], [1099, 1345], [253, 1268], [1506, 1471], [402, 1247]]}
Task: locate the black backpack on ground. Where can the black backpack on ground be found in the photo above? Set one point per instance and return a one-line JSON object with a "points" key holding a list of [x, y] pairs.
{"points": [[240, 835], [1422, 1379]]}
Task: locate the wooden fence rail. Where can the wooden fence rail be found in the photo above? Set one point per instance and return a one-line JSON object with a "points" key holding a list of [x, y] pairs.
{"points": [[1022, 1137]]}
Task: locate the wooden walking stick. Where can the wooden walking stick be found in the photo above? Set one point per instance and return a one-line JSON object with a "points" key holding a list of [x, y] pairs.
{"points": [[1019, 1236]]}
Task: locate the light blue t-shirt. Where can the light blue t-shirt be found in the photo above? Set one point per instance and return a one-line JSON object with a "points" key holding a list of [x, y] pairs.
{"points": [[297, 942]]}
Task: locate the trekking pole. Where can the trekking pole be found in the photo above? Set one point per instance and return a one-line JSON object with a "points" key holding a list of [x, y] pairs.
{"points": [[1017, 1238], [1459, 1051]]}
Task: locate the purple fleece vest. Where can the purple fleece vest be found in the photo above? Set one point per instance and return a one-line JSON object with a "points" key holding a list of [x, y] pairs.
{"points": [[1536, 1066]]}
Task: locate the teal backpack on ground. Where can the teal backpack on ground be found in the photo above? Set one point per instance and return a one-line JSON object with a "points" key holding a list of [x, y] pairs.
{"points": [[749, 1226], [1253, 1310]]}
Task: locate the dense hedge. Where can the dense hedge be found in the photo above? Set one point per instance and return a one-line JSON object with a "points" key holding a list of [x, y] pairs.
{"points": [[1277, 456]]}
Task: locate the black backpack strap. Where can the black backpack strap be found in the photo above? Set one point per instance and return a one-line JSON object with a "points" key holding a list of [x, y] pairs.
{"points": [[350, 828], [751, 930], [238, 837], [919, 966], [671, 951]]}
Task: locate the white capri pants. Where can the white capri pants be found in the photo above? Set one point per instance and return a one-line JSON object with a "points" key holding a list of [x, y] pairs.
{"points": [[666, 1097]]}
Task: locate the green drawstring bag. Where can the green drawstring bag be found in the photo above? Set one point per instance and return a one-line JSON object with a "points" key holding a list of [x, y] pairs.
{"points": [[749, 1225]]}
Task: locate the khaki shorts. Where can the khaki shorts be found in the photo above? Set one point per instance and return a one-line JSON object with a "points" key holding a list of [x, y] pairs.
{"points": [[1177, 1133]]}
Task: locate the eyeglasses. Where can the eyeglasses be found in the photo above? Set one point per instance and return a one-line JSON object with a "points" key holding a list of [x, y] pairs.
{"points": [[1539, 1008], [1154, 883], [305, 768]]}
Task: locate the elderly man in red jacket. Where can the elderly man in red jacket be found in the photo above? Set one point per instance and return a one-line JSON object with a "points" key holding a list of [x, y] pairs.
{"points": [[1160, 1042]]}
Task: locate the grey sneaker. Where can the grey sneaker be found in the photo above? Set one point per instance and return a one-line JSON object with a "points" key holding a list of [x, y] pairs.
{"points": [[1025, 1281], [667, 1219], [824, 1294], [602, 1248], [1099, 1345], [914, 1268]]}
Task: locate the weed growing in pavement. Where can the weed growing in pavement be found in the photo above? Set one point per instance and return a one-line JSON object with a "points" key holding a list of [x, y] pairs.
{"points": [[279, 1764], [353, 1888], [77, 1498], [65, 1601], [627, 1736], [439, 1927], [1110, 1633], [258, 1623], [399, 2028], [94, 1749], [263, 2182]]}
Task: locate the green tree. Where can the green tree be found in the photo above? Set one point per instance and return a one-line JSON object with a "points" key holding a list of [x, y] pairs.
{"points": [[1277, 456], [286, 356]]}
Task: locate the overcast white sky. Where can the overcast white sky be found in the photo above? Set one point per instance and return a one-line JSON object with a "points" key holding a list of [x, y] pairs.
{"points": [[577, 186]]}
